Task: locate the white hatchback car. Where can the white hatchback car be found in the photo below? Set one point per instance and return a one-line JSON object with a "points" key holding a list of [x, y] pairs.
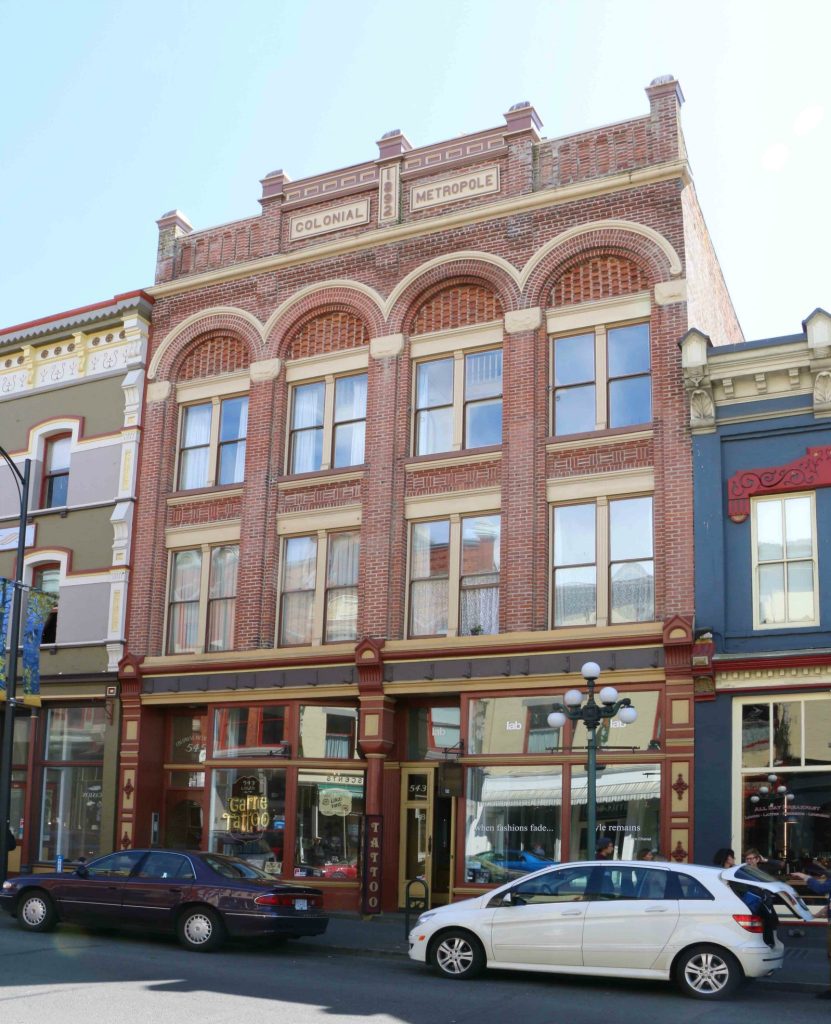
{"points": [[623, 919]]}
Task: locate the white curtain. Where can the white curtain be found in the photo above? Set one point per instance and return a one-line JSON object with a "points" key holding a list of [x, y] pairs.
{"points": [[196, 438], [222, 598]]}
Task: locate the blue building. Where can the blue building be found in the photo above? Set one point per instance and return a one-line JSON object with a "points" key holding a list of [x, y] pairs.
{"points": [[760, 417]]}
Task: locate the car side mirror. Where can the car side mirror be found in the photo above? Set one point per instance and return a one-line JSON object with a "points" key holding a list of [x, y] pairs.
{"points": [[82, 871]]}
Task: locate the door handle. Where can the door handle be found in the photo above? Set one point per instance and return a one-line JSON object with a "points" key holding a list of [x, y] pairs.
{"points": [[656, 910], [174, 890], [572, 913], [429, 844]]}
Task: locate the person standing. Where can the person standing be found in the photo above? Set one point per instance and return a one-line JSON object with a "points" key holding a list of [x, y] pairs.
{"points": [[604, 849], [724, 857], [821, 888]]}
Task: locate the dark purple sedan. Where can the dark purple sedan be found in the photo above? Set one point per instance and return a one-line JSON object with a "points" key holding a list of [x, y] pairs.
{"points": [[202, 897]]}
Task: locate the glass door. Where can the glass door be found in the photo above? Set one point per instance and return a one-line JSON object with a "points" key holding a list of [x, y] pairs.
{"points": [[416, 857]]}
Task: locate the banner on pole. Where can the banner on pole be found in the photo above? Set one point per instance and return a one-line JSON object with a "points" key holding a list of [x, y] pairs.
{"points": [[38, 608], [6, 594]]}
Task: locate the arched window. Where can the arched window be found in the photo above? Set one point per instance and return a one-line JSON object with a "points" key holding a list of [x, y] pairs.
{"points": [[47, 577], [55, 471]]}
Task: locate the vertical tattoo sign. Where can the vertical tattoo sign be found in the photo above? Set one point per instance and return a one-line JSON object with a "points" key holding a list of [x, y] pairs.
{"points": [[373, 840]]}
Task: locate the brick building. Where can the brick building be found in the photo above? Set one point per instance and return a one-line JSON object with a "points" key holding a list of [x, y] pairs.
{"points": [[415, 448], [71, 388]]}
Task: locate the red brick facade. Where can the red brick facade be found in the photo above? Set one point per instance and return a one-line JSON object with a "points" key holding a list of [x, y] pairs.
{"points": [[590, 218]]}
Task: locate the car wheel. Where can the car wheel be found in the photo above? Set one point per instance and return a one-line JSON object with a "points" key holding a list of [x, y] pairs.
{"points": [[708, 972], [457, 954], [200, 929], [36, 912]]}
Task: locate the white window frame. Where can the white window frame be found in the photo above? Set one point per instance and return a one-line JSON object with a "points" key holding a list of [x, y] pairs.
{"points": [[201, 392], [786, 624]]}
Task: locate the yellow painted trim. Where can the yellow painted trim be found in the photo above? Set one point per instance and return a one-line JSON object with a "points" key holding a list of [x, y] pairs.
{"points": [[318, 480], [313, 520], [469, 458], [328, 364], [249, 697], [427, 506], [457, 339], [386, 236], [592, 314], [596, 485], [180, 537], [190, 392], [186, 498]]}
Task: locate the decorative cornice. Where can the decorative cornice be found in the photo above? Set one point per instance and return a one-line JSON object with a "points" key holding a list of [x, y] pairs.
{"points": [[811, 471]]}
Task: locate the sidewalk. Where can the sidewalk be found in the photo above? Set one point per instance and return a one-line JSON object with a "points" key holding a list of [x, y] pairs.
{"points": [[805, 970]]}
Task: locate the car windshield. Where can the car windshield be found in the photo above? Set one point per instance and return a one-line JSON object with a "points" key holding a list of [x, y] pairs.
{"points": [[233, 867], [753, 874]]}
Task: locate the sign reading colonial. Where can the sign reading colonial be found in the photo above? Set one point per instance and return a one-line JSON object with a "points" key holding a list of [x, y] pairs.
{"points": [[449, 190], [349, 215]]}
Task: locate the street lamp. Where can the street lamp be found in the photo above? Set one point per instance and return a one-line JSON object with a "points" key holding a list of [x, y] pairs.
{"points": [[591, 714], [768, 795], [22, 482]]}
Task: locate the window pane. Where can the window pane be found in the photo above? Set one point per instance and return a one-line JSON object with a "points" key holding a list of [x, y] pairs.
{"points": [[483, 374], [186, 575], [349, 444], [434, 431], [574, 535], [771, 593], [431, 549], [58, 453], [755, 735], [248, 731], [308, 405], [341, 615], [57, 490], [800, 591], [628, 350], [798, 837], [300, 563], [574, 359], [184, 625], [483, 424], [350, 398], [342, 559], [231, 463], [248, 816], [330, 808], [233, 422], [817, 731], [628, 809], [630, 525], [297, 618], [221, 619], [223, 577], [431, 731], [769, 530], [48, 580], [196, 425], [480, 544], [194, 468], [630, 401], [798, 527], [513, 822], [787, 733], [306, 451], [574, 410], [71, 813], [434, 383], [327, 731], [575, 596], [633, 592], [428, 615], [75, 734], [479, 612], [188, 739]]}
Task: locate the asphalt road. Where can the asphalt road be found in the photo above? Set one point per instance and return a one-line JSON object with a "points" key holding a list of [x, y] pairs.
{"points": [[76, 977]]}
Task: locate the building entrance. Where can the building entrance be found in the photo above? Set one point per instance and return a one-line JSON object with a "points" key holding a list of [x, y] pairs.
{"points": [[428, 834]]}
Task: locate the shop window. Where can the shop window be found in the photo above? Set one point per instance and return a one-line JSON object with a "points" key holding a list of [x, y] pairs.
{"points": [[328, 424], [72, 782], [603, 562], [330, 807], [248, 815], [249, 731], [202, 605], [48, 579], [188, 739], [628, 810], [431, 731], [319, 596], [601, 378], [212, 443], [784, 561], [328, 732], [458, 402], [512, 725], [786, 815], [454, 576], [513, 817], [56, 471]]}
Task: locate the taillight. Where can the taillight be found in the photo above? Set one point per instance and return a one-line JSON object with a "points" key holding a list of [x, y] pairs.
{"points": [[273, 899], [750, 923]]}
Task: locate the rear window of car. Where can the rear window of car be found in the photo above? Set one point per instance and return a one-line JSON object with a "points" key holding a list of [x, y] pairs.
{"points": [[690, 888], [230, 867]]}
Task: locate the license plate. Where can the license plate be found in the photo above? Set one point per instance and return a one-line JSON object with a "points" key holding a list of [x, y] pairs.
{"points": [[301, 904]]}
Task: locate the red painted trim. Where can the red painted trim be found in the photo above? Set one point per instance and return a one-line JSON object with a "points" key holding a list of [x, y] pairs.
{"points": [[786, 661], [139, 294], [812, 470]]}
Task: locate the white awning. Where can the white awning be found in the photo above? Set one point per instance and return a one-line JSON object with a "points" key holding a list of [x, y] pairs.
{"points": [[546, 791]]}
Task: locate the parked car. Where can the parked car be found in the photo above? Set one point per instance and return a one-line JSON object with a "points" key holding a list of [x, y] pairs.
{"points": [[623, 919], [201, 897], [493, 866]]}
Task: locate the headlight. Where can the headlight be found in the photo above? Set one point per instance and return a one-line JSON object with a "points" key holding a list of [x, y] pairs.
{"points": [[8, 885], [425, 917]]}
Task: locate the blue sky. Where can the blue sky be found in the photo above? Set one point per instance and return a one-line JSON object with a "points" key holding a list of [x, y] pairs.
{"points": [[115, 112]]}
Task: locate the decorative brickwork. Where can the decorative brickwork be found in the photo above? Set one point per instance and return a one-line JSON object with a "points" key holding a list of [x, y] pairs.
{"points": [[447, 479], [222, 354], [328, 332], [197, 512], [600, 277], [459, 305]]}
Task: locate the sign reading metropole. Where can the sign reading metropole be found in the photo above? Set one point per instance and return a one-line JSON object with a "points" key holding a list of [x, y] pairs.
{"points": [[334, 218], [450, 190]]}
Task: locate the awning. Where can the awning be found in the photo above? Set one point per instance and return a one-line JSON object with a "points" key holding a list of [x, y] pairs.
{"points": [[546, 791]]}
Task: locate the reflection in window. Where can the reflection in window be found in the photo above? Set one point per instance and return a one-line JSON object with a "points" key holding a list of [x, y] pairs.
{"points": [[631, 571], [784, 557], [248, 815], [252, 731], [628, 809], [431, 731], [56, 471], [330, 806], [328, 731], [479, 583], [512, 821], [429, 568], [575, 568], [76, 733]]}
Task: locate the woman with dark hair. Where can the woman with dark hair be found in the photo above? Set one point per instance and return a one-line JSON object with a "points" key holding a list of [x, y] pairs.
{"points": [[724, 857]]}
